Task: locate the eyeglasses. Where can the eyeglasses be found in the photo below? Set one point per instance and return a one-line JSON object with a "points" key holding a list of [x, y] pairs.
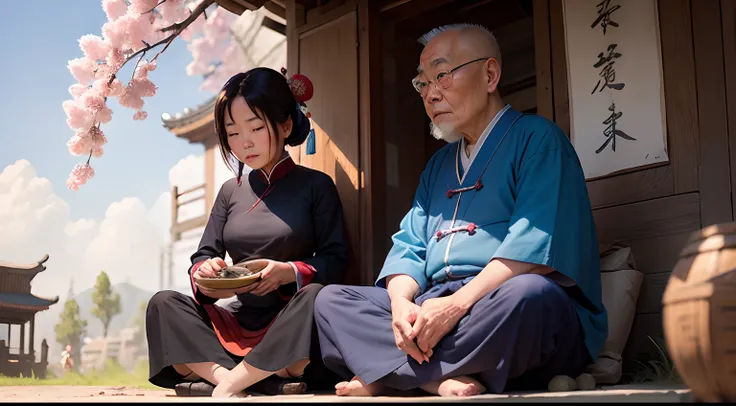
{"points": [[443, 79]]}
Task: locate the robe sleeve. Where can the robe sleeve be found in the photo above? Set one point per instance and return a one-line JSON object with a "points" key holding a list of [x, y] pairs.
{"points": [[551, 223], [330, 259], [211, 244], [408, 253]]}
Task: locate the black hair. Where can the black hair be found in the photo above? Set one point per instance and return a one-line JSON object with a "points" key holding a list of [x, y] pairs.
{"points": [[268, 91]]}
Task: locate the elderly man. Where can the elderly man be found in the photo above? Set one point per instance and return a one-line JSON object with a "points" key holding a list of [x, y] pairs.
{"points": [[493, 279]]}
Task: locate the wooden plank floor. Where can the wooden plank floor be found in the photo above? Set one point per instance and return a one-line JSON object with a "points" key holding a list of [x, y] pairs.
{"points": [[629, 393]]}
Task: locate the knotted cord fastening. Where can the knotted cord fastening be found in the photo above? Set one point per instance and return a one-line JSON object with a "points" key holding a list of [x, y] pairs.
{"points": [[470, 228], [452, 192]]}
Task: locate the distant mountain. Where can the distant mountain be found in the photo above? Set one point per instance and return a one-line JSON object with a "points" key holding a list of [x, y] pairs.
{"points": [[131, 298]]}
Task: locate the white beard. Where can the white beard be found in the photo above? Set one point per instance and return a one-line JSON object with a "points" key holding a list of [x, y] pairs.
{"points": [[445, 132]]}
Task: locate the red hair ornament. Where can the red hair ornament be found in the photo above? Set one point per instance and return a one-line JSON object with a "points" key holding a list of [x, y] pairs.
{"points": [[303, 90]]}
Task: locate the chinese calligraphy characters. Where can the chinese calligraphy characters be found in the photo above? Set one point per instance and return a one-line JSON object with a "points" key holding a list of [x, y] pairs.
{"points": [[604, 15], [608, 73], [611, 132]]}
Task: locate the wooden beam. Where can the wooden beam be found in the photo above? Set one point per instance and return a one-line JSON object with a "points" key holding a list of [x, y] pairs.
{"points": [[372, 140], [401, 10], [22, 338], [315, 18], [728, 19], [543, 59], [276, 9], [33, 331], [559, 66], [190, 224], [174, 213], [632, 187], [714, 186], [240, 6], [294, 18], [680, 92], [209, 178]]}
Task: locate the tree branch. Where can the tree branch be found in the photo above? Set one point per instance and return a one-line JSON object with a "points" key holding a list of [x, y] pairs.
{"points": [[176, 28]]}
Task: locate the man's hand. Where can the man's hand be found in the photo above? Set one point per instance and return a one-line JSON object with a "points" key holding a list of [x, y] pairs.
{"points": [[435, 319], [273, 275], [404, 313]]}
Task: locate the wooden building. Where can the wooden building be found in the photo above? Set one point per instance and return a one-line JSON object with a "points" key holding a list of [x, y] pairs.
{"points": [[373, 136], [18, 307]]}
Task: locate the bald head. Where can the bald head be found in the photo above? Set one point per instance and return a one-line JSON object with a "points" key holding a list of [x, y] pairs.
{"points": [[465, 40]]}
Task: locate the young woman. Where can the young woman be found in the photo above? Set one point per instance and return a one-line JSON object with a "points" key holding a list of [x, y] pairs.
{"points": [[284, 213]]}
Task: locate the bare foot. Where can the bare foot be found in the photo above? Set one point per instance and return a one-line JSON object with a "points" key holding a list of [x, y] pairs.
{"points": [[225, 390], [356, 387], [457, 386]]}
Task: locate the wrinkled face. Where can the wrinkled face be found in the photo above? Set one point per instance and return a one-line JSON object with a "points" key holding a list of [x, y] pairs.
{"points": [[251, 138], [452, 107]]}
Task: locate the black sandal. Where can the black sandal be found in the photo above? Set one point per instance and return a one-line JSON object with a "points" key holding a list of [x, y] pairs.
{"points": [[275, 385], [192, 389]]}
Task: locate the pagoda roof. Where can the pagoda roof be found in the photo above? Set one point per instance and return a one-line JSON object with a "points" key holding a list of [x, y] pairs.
{"points": [[26, 301], [34, 267], [194, 124]]}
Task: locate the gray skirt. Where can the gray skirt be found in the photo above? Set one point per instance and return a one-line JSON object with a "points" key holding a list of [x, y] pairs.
{"points": [[179, 331]]}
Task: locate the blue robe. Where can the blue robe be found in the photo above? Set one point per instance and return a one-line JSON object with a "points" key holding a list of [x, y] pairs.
{"points": [[533, 207], [529, 204]]}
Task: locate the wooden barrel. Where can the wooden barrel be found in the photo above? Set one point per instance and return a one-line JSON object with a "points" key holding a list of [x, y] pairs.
{"points": [[699, 313]]}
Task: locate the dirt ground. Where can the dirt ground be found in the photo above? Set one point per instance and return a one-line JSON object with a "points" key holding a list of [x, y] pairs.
{"points": [[129, 395]]}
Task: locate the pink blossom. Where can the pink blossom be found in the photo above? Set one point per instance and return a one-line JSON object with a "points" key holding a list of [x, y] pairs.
{"points": [[79, 176], [147, 66], [116, 88], [115, 59], [129, 98], [97, 151], [83, 69], [101, 87], [104, 115], [140, 115], [172, 12], [79, 145], [143, 6], [103, 71], [76, 116], [94, 47], [93, 101], [217, 25], [77, 90], [96, 136], [114, 32], [114, 8], [137, 28]]}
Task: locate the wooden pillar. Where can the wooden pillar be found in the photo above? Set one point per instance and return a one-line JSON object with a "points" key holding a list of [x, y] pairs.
{"points": [[209, 176], [9, 335], [174, 213], [33, 330], [22, 338]]}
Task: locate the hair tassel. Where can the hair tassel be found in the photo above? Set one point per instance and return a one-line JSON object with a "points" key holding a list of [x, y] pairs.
{"points": [[311, 142]]}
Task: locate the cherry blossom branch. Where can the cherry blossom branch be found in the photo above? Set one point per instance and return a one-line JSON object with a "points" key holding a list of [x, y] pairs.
{"points": [[159, 3], [177, 28]]}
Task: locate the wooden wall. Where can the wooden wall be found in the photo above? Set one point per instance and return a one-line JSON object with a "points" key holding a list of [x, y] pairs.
{"points": [[654, 210], [323, 43]]}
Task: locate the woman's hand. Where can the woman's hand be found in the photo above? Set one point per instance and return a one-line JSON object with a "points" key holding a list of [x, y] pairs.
{"points": [[210, 268], [273, 275]]}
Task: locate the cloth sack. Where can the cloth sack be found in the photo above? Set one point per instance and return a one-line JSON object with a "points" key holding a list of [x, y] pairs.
{"points": [[621, 284]]}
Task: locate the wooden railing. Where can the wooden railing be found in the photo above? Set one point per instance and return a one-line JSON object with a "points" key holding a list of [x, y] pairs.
{"points": [[179, 227]]}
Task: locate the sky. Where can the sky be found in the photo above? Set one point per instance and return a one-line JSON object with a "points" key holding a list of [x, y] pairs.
{"points": [[118, 221]]}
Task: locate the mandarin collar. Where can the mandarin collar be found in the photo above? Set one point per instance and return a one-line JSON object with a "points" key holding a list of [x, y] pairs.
{"points": [[281, 169]]}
